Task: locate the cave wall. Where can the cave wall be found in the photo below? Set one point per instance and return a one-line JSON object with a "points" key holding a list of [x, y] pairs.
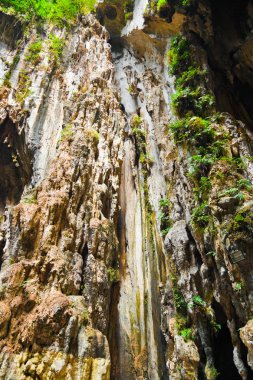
{"points": [[116, 261]]}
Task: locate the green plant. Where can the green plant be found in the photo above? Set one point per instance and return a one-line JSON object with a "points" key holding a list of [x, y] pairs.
{"points": [[216, 326], [3, 288], [29, 281], [132, 89], [93, 134], [146, 159], [146, 298], [197, 300], [178, 297], [24, 83], [164, 215], [12, 66], [187, 3], [178, 55], [136, 121], [56, 46], [161, 4], [56, 11], [245, 184], [211, 372], [201, 192], [193, 101], [113, 275], [242, 222], [33, 53], [238, 286], [30, 198], [200, 165], [128, 16], [193, 130], [66, 133], [201, 216], [189, 77], [85, 316], [186, 334]]}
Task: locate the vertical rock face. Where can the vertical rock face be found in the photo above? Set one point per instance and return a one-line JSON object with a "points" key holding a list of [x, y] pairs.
{"points": [[59, 249], [126, 196]]}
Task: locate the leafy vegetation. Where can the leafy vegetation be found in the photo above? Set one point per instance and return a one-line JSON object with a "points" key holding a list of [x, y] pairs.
{"points": [[186, 333], [201, 215], [56, 46], [238, 286], [33, 53], [66, 133], [12, 66], [202, 132], [30, 198], [140, 141], [197, 300], [57, 11], [161, 4], [164, 216], [211, 373], [179, 56], [113, 275], [178, 298], [24, 83]]}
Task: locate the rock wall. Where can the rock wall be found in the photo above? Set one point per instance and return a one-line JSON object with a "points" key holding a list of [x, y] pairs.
{"points": [[126, 201], [59, 249]]}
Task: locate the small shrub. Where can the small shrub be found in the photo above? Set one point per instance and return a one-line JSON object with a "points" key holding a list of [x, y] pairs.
{"points": [[189, 77], [202, 191], [178, 298], [30, 199], [113, 275], [178, 55], [216, 326], [146, 159], [186, 334], [66, 133], [211, 373], [128, 16], [24, 83], [164, 215], [201, 216], [33, 53], [85, 316], [238, 286], [200, 165], [56, 46], [161, 4], [245, 184], [242, 222], [197, 300], [57, 11], [194, 130], [136, 121]]}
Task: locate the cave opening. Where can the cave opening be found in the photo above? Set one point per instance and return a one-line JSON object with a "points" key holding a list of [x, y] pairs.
{"points": [[223, 347], [229, 57], [15, 163]]}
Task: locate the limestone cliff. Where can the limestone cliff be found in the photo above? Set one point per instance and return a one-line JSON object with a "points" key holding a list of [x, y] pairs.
{"points": [[126, 193]]}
